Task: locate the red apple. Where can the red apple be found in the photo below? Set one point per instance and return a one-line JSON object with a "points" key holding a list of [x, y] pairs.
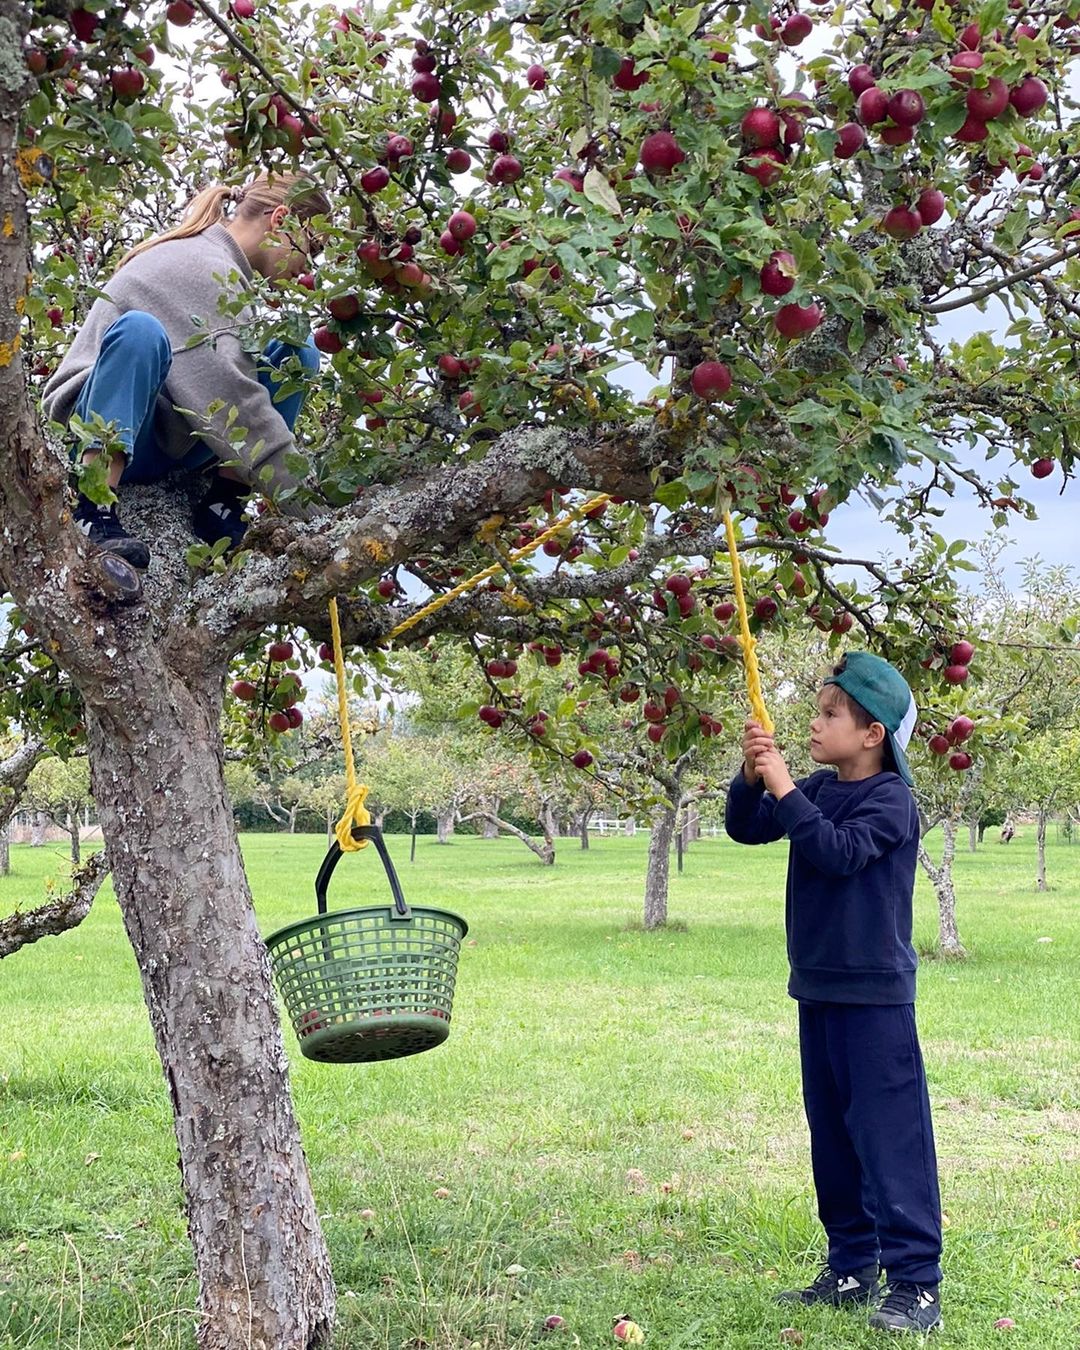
{"points": [[426, 87], [458, 160], [1029, 96], [778, 274], [327, 340], [344, 307], [84, 24], [872, 106], [279, 722], [180, 13], [724, 611], [1043, 468], [973, 130], [761, 127], [960, 653], [930, 205], [939, 745], [988, 102], [960, 761], [710, 380], [860, 79], [398, 147], [767, 166], [907, 108], [955, 674], [796, 29], [964, 64], [655, 732], [660, 153], [375, 179], [794, 321], [127, 82], [901, 222], [960, 728], [536, 77], [462, 225], [765, 608], [850, 139], [625, 79], [244, 690], [582, 759], [505, 169]]}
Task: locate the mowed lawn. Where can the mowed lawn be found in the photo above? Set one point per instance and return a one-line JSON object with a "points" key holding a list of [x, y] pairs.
{"points": [[614, 1126]]}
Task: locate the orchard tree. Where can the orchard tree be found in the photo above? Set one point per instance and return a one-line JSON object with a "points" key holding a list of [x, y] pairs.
{"points": [[60, 790], [1045, 778], [772, 238], [17, 761]]}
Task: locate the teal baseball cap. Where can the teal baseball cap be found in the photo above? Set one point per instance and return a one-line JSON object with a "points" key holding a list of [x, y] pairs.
{"points": [[886, 696]]}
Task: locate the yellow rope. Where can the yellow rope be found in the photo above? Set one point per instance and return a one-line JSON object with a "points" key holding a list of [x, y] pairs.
{"points": [[356, 813], [749, 642], [495, 568]]}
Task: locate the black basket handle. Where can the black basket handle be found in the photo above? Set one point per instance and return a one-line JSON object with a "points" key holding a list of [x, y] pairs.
{"points": [[326, 871]]}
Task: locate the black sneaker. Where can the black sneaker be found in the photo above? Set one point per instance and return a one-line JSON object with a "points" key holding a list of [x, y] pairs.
{"points": [[220, 514], [102, 527], [836, 1289], [908, 1307]]}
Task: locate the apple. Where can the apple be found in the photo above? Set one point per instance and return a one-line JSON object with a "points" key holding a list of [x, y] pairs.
{"points": [[710, 380], [765, 608], [326, 340], [554, 1322], [778, 274], [1029, 96], [955, 674], [326, 652], [939, 745], [655, 732], [971, 37], [796, 29], [624, 1329], [279, 722], [498, 141], [988, 102], [724, 611], [1004, 1324], [672, 694], [960, 761], [629, 693], [242, 9], [37, 60], [901, 222], [462, 225], [850, 139], [767, 166], [963, 65], [960, 728], [426, 87], [450, 367], [375, 179], [536, 77], [344, 307], [872, 106], [653, 711], [960, 653], [445, 119], [678, 584], [761, 127], [892, 135], [244, 690], [180, 13], [295, 716], [458, 160], [860, 79], [973, 130], [1043, 468], [660, 153], [576, 181], [310, 1021], [794, 321], [280, 650], [505, 169], [907, 108], [930, 205], [841, 624], [582, 759], [798, 522], [127, 82], [398, 147], [625, 79], [84, 24]]}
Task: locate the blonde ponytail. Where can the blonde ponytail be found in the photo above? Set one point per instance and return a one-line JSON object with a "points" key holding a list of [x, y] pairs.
{"points": [[263, 193]]}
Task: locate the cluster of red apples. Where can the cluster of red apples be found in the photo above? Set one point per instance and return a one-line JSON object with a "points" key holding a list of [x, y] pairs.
{"points": [[279, 694]]}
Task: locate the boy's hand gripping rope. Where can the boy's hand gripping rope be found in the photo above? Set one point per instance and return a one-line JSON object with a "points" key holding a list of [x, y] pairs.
{"points": [[749, 642]]}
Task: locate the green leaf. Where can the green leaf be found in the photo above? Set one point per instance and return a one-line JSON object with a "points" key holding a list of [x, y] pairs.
{"points": [[640, 324], [687, 20], [672, 495], [599, 191], [605, 61]]}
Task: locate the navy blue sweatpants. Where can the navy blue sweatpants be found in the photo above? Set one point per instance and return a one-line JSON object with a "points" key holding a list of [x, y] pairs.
{"points": [[871, 1138]]}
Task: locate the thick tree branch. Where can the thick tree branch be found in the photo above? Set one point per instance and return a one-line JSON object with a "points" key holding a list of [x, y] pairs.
{"points": [[57, 916]]}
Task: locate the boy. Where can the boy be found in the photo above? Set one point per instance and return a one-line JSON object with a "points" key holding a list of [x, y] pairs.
{"points": [[851, 872]]}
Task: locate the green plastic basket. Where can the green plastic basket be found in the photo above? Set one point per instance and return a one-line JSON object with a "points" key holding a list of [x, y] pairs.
{"points": [[368, 984]]}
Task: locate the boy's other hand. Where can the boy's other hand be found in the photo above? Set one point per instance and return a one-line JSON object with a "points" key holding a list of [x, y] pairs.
{"points": [[755, 740], [770, 766]]}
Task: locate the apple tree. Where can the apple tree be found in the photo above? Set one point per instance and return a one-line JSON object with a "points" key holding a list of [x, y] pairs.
{"points": [[527, 199]]}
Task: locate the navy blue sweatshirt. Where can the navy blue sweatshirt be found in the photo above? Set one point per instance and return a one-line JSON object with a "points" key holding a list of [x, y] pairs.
{"points": [[851, 875]]}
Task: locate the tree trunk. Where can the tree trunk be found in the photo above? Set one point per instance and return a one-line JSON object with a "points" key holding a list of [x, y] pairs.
{"points": [[942, 880], [38, 826], [5, 852], [548, 824], [329, 826], [262, 1263], [680, 842], [982, 831], [14, 771], [583, 826], [545, 851], [292, 818], [630, 828], [693, 824], [412, 838], [73, 832], [1040, 843], [973, 836], [490, 829], [656, 878], [444, 826]]}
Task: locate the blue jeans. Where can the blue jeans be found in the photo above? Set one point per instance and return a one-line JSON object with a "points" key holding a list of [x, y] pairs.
{"points": [[130, 372]]}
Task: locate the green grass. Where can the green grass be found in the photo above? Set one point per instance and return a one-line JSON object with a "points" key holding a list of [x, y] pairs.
{"points": [[616, 1113]]}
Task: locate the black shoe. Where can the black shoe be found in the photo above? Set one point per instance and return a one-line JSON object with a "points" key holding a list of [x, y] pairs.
{"points": [[220, 514], [908, 1307], [836, 1289], [102, 527]]}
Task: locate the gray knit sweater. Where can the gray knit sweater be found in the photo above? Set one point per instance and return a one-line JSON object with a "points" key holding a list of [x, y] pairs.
{"points": [[174, 281]]}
